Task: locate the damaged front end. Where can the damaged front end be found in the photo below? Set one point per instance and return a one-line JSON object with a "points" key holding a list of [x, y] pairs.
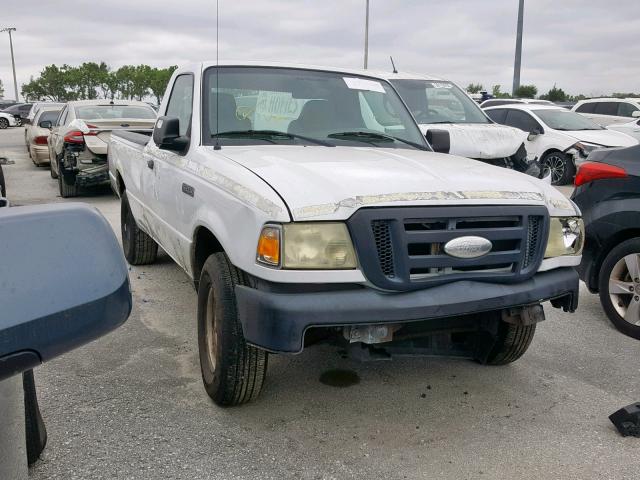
{"points": [[519, 162]]}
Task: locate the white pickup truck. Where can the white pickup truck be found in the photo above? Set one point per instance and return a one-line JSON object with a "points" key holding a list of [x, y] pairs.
{"points": [[307, 207]]}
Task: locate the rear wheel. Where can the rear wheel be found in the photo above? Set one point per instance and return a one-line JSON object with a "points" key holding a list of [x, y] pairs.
{"points": [[67, 185], [560, 166], [233, 372], [139, 248], [619, 285]]}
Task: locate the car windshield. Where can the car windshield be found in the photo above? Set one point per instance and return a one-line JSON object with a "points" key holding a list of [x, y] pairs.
{"points": [[262, 105], [106, 112], [439, 102], [566, 120]]}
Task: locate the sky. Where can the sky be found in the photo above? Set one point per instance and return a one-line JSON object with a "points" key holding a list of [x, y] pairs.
{"points": [[583, 46]]}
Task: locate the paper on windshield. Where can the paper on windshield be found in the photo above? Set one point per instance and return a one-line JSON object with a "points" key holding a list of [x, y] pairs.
{"points": [[363, 84]]}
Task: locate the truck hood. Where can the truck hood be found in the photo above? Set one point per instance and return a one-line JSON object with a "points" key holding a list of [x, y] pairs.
{"points": [[607, 138], [477, 140], [324, 183]]}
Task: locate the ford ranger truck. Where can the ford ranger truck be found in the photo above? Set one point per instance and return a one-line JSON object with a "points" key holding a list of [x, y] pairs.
{"points": [[307, 207]]}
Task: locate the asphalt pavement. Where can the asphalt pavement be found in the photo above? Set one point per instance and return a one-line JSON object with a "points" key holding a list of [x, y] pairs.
{"points": [[131, 405]]}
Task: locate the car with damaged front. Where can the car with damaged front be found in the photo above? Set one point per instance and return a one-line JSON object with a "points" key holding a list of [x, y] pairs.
{"points": [[306, 206]]}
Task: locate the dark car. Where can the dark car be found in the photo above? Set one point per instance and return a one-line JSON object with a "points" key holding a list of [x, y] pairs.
{"points": [[608, 193], [6, 104], [19, 110]]}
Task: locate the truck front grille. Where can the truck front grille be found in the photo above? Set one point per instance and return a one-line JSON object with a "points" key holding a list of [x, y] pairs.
{"points": [[403, 248]]}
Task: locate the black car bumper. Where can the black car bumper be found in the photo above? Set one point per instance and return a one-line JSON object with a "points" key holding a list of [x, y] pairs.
{"points": [[277, 321], [94, 175]]}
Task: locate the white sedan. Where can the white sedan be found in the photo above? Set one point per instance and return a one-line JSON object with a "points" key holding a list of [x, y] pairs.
{"points": [[7, 120], [561, 139], [630, 128]]}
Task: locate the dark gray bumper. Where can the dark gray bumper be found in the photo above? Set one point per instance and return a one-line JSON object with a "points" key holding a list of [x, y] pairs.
{"points": [[277, 321]]}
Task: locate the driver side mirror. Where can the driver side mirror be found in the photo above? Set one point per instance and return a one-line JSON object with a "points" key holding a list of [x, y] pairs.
{"points": [[46, 124], [534, 133], [439, 140], [636, 114], [166, 135]]}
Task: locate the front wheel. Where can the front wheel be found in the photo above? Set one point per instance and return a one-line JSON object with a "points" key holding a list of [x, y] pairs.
{"points": [[619, 286], [560, 166], [233, 372]]}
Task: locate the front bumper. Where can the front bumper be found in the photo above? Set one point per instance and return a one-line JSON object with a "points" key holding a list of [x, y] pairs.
{"points": [[277, 321]]}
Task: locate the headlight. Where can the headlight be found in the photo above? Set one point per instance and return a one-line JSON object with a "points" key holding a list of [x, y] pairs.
{"points": [[586, 148], [566, 237]]}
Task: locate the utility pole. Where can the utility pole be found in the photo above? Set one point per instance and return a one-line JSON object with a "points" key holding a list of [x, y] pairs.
{"points": [[13, 63], [518, 61], [366, 38]]}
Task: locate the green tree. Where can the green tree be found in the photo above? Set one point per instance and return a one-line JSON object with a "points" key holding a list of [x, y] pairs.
{"points": [[497, 93], [526, 91], [555, 95], [159, 80], [1, 89], [475, 88]]}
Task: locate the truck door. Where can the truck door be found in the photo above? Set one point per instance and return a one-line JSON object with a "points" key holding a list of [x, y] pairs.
{"points": [[163, 178]]}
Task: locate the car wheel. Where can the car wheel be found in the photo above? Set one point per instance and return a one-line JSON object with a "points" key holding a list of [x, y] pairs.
{"points": [[511, 342], [233, 372], [4, 123], [67, 185], [560, 166], [35, 430], [619, 285], [3, 186], [139, 248]]}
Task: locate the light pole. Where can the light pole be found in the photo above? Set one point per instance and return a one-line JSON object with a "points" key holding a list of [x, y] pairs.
{"points": [[13, 63], [518, 61], [366, 38]]}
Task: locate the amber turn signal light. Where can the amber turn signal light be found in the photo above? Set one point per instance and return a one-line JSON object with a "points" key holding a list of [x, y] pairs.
{"points": [[269, 246]]}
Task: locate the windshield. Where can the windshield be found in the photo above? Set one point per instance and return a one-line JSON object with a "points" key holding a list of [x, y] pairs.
{"points": [[566, 120], [439, 102], [261, 105], [106, 112]]}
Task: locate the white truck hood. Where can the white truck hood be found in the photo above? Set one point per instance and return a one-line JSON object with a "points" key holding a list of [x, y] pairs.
{"points": [[325, 183], [608, 138], [477, 140]]}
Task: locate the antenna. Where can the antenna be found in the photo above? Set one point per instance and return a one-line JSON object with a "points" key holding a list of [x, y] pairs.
{"points": [[393, 64], [217, 145]]}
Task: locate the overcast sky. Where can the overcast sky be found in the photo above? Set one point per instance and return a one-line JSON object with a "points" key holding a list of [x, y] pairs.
{"points": [[583, 46]]}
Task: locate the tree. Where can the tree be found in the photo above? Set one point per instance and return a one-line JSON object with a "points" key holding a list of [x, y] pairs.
{"points": [[475, 88], [497, 93], [526, 91], [159, 80], [555, 95], [1, 90]]}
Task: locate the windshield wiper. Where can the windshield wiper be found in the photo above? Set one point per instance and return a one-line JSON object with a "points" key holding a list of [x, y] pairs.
{"points": [[370, 137], [270, 133]]}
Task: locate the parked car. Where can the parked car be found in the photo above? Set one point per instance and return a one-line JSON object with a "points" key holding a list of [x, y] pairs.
{"points": [[6, 103], [608, 111], [630, 128], [7, 120], [37, 106], [440, 104], [322, 215], [78, 140], [608, 193], [19, 111], [561, 139], [37, 137], [495, 102]]}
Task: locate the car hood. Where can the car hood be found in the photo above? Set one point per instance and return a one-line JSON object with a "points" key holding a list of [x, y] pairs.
{"points": [[607, 138], [325, 183], [476, 140]]}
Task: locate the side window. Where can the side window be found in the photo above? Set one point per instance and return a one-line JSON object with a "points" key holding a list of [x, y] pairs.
{"points": [[498, 115], [607, 108], [626, 109], [587, 107], [521, 120], [62, 117], [181, 101]]}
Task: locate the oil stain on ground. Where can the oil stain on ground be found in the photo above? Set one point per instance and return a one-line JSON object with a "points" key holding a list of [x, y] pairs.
{"points": [[339, 378]]}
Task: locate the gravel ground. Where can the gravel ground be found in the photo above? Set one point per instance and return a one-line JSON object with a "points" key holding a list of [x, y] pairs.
{"points": [[131, 405]]}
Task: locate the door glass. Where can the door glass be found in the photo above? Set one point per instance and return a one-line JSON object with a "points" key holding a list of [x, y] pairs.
{"points": [[587, 108], [497, 115], [521, 120], [607, 108], [626, 109], [181, 102]]}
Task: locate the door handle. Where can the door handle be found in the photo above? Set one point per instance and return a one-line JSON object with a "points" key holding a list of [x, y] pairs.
{"points": [[150, 164]]}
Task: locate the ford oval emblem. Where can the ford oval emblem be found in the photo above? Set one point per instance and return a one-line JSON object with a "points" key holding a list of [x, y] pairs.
{"points": [[468, 247]]}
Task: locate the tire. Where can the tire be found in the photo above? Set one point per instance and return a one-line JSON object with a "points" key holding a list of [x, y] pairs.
{"points": [[233, 372], [4, 123], [35, 430], [3, 185], [52, 172], [139, 248], [615, 281], [511, 343], [561, 166], [67, 190]]}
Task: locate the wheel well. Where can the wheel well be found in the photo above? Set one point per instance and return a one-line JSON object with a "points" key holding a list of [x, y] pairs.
{"points": [[120, 182], [551, 150], [611, 243], [204, 244]]}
